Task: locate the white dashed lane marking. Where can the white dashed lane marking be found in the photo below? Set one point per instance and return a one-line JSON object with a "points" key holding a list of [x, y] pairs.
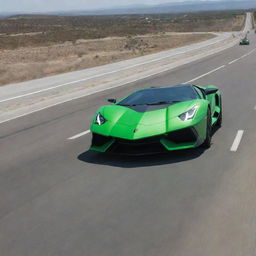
{"points": [[206, 74], [79, 135], [237, 141]]}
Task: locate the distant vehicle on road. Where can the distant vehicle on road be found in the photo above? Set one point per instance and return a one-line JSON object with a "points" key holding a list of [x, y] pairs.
{"points": [[244, 41], [155, 120]]}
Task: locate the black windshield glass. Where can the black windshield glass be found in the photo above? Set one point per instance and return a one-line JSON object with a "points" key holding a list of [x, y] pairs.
{"points": [[161, 96]]}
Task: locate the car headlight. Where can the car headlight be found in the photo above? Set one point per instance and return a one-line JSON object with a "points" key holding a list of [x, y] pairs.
{"points": [[189, 115], [100, 119]]}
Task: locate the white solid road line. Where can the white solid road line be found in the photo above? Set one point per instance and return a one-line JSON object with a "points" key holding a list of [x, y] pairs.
{"points": [[237, 141], [79, 135], [208, 73]]}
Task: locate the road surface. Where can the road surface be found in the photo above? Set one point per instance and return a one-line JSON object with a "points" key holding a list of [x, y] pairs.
{"points": [[59, 199]]}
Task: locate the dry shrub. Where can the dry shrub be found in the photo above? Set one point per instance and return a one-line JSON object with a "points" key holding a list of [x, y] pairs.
{"points": [[133, 43]]}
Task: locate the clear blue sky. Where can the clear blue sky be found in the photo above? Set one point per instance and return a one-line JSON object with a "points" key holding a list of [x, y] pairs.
{"points": [[57, 5]]}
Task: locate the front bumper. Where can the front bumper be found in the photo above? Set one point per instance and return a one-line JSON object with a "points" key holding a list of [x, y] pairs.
{"points": [[175, 140]]}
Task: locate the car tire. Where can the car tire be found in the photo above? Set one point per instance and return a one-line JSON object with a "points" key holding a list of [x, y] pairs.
{"points": [[207, 142]]}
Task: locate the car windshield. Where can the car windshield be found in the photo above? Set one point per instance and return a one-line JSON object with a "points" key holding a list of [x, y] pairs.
{"points": [[156, 96]]}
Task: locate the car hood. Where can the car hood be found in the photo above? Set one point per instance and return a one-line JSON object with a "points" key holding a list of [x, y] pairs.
{"points": [[127, 123]]}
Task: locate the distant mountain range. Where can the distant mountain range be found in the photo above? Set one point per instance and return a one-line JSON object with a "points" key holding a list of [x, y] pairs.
{"points": [[174, 7], [178, 7]]}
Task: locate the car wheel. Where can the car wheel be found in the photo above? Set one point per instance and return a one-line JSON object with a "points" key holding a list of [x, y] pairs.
{"points": [[208, 139]]}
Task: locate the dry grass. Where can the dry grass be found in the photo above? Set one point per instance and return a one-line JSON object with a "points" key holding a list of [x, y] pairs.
{"points": [[23, 31], [30, 63]]}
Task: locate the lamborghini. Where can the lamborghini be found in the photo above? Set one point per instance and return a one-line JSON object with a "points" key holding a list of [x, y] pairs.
{"points": [[158, 119]]}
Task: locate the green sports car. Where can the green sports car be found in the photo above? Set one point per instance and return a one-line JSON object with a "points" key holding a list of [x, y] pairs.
{"points": [[154, 120], [244, 42]]}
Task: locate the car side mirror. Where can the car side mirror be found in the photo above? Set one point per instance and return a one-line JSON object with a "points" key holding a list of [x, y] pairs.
{"points": [[112, 100], [210, 91]]}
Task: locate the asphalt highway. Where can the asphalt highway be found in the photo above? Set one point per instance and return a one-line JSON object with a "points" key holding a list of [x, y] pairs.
{"points": [[59, 199]]}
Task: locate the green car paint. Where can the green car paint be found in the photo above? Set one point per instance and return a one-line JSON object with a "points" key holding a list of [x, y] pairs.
{"points": [[134, 128]]}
